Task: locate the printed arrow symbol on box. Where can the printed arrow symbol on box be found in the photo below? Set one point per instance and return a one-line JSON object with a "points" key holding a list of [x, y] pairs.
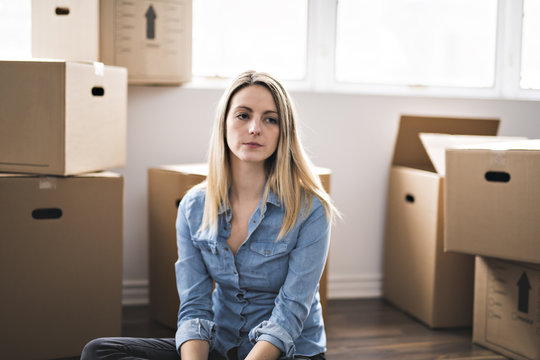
{"points": [[150, 22], [524, 289]]}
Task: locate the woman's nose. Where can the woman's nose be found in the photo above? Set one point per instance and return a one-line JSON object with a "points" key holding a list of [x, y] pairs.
{"points": [[255, 126]]}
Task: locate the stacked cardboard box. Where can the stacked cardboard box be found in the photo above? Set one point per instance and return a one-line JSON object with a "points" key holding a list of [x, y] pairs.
{"points": [[60, 262], [166, 187], [419, 277], [66, 29], [493, 211], [63, 122], [150, 38], [61, 117]]}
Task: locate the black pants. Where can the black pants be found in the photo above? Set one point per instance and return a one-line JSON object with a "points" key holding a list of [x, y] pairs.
{"points": [[124, 348]]}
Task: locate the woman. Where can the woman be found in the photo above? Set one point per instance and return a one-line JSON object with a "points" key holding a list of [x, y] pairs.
{"points": [[259, 230]]}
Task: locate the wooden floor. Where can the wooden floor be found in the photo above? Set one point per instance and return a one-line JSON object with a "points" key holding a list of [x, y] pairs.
{"points": [[360, 329], [374, 329]]}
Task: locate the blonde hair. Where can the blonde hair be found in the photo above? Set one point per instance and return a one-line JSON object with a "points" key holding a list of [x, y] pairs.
{"points": [[290, 174]]}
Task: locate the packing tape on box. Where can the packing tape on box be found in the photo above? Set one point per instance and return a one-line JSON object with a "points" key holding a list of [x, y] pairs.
{"points": [[498, 158], [47, 183], [99, 68]]}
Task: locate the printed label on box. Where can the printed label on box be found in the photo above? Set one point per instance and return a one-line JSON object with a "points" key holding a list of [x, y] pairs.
{"points": [[513, 307], [151, 31]]}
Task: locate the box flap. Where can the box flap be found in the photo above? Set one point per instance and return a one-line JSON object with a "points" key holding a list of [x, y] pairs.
{"points": [[409, 150], [436, 145], [516, 143]]}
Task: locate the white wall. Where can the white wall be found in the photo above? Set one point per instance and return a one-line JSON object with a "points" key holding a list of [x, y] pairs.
{"points": [[351, 134]]}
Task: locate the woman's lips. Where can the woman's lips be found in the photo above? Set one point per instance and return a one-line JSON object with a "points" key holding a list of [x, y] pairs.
{"points": [[252, 145]]}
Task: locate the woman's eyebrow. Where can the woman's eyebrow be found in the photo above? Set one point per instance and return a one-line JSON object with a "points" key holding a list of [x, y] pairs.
{"points": [[244, 108], [247, 108]]}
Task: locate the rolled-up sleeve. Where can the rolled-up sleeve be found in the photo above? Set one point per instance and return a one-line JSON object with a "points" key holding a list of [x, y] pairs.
{"points": [[293, 303], [195, 317]]}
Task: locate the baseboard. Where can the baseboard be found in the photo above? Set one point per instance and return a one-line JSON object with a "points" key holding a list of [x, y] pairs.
{"points": [[354, 286], [136, 292]]}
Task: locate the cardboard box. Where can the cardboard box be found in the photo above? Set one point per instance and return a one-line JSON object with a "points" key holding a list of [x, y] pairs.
{"points": [[62, 118], [419, 277], [65, 29], [493, 206], [507, 307], [166, 187], [60, 263], [151, 38]]}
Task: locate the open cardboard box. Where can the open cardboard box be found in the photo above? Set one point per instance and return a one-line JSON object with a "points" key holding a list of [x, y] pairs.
{"points": [[166, 186], [419, 277], [493, 200]]}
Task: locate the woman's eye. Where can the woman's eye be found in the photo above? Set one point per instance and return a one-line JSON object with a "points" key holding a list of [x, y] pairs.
{"points": [[272, 120], [242, 116]]}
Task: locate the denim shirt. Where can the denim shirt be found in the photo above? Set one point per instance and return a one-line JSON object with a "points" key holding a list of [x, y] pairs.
{"points": [[268, 291]]}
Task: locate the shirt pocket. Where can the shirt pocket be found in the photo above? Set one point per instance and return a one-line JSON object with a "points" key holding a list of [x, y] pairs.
{"points": [[212, 255], [270, 259], [269, 256]]}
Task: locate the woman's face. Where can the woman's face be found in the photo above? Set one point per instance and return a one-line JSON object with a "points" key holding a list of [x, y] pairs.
{"points": [[252, 124]]}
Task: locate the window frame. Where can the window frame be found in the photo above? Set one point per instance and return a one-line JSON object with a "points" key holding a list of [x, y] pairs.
{"points": [[321, 51]]}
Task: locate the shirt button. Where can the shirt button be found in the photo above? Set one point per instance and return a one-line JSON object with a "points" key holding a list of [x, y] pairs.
{"points": [[267, 252], [254, 221]]}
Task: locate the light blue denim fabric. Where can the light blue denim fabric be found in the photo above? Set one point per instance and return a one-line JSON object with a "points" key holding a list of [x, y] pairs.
{"points": [[268, 291]]}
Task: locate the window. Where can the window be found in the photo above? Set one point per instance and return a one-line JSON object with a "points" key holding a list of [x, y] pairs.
{"points": [[487, 48], [237, 35], [15, 29], [530, 45], [417, 42]]}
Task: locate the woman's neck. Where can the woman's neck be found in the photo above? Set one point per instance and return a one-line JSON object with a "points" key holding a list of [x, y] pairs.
{"points": [[248, 180]]}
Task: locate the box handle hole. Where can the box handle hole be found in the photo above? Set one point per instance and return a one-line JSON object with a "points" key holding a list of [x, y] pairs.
{"points": [[47, 213], [98, 91], [497, 176], [62, 11], [409, 198]]}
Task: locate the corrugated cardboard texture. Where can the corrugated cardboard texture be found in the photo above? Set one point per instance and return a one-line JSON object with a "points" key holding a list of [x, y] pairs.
{"points": [[494, 218], [166, 187], [61, 277], [433, 286], [507, 307], [67, 29], [62, 118], [153, 40]]}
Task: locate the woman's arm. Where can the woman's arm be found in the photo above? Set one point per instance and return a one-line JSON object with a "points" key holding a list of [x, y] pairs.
{"points": [[263, 350], [194, 350], [295, 298], [195, 317]]}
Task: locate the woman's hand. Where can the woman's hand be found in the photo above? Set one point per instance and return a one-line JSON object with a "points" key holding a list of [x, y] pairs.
{"points": [[195, 350], [263, 350]]}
